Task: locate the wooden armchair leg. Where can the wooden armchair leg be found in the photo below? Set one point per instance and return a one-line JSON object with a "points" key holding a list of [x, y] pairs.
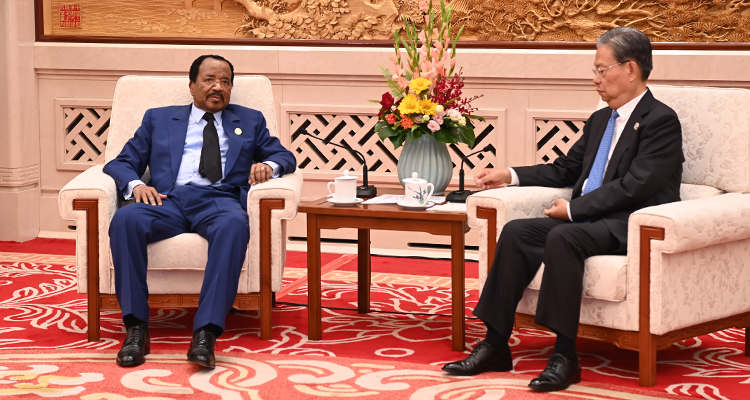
{"points": [[647, 361], [266, 294], [91, 206]]}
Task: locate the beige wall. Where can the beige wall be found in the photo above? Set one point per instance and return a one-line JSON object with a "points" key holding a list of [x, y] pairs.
{"points": [[523, 90], [19, 131]]}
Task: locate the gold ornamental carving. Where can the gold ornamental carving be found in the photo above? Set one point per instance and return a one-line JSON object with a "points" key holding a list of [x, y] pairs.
{"points": [[484, 20]]}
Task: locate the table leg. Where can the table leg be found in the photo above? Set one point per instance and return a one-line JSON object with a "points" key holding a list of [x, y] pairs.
{"points": [[457, 279], [314, 313], [364, 275]]}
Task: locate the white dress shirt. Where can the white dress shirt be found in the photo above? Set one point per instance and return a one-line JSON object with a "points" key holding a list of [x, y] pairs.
{"points": [[624, 113]]}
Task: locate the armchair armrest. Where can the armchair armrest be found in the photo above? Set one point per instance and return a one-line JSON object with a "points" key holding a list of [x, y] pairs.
{"points": [[505, 204], [95, 185], [699, 271], [288, 189]]}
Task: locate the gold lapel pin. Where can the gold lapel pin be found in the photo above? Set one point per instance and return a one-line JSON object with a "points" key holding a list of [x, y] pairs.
{"points": [[237, 131], [635, 127]]}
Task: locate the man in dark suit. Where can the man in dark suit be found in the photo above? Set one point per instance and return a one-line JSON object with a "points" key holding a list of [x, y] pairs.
{"points": [[629, 157], [200, 156]]}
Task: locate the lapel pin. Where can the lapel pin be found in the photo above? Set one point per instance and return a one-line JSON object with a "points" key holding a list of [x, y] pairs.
{"points": [[238, 131], [635, 127]]}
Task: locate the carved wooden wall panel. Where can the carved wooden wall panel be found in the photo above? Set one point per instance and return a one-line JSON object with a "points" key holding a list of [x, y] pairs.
{"points": [[356, 131], [555, 137], [486, 20], [82, 127], [86, 131]]}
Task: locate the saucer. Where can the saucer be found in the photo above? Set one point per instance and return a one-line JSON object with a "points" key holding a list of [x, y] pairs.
{"points": [[354, 202], [414, 207]]}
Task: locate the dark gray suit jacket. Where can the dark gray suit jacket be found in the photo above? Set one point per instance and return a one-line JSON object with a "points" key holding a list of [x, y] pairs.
{"points": [[645, 168]]}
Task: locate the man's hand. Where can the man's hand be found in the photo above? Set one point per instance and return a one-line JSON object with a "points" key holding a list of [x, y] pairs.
{"points": [[148, 194], [492, 177], [559, 210], [260, 173]]}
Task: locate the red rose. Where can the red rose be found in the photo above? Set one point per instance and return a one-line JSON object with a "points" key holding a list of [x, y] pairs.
{"points": [[387, 101]]}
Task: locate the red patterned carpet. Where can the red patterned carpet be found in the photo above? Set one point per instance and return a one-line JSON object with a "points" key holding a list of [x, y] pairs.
{"points": [[395, 353]]}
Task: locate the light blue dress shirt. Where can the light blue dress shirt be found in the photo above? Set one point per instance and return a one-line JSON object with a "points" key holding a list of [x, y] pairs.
{"points": [[191, 154]]}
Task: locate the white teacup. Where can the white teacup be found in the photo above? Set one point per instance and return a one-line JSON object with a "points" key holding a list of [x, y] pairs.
{"points": [[344, 188], [416, 191]]}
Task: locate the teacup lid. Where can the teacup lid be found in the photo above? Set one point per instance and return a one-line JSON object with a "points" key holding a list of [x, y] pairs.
{"points": [[346, 175], [414, 179]]}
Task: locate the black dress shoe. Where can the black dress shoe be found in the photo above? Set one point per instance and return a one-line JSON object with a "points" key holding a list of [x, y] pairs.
{"points": [[560, 373], [135, 348], [484, 358], [201, 349]]}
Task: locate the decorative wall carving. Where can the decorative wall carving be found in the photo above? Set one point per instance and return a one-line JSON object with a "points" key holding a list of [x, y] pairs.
{"points": [[19, 177], [488, 20], [356, 131], [555, 137], [85, 131]]}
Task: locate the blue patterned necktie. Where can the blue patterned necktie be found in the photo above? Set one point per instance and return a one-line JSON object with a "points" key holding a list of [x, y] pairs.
{"points": [[597, 171]]}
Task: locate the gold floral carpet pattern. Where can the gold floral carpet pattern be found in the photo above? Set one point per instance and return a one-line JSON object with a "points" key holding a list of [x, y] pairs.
{"points": [[391, 353]]}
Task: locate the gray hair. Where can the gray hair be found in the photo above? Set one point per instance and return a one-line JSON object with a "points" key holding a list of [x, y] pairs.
{"points": [[629, 44]]}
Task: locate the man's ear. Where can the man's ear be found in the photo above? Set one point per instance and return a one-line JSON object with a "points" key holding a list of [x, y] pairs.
{"points": [[634, 72], [190, 85]]}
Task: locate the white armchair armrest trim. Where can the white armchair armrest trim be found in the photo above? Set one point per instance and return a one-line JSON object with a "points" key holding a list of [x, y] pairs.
{"points": [[288, 188], [91, 184]]}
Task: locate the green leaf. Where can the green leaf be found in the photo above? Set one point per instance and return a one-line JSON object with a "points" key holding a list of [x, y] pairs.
{"points": [[385, 131], [397, 140], [446, 136], [466, 135]]}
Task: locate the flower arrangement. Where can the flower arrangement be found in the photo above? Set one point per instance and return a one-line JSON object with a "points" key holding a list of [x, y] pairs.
{"points": [[426, 95]]}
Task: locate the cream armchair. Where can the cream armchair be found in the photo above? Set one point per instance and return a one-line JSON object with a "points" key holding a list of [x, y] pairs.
{"points": [[176, 265], [687, 270]]}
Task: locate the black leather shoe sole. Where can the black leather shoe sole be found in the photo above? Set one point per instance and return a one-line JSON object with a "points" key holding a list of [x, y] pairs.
{"points": [[460, 371], [136, 360], [550, 387], [200, 361]]}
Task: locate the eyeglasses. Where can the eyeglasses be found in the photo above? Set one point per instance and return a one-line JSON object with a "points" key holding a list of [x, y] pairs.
{"points": [[601, 70]]}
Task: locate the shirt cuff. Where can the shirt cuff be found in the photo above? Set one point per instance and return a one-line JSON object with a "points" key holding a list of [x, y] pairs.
{"points": [[569, 216], [132, 186], [275, 167], [513, 178]]}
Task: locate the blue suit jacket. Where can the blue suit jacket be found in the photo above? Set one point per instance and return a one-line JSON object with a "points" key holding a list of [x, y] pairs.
{"points": [[160, 141]]}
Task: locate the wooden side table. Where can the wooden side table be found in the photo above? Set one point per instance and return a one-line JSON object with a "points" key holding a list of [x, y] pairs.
{"points": [[323, 215]]}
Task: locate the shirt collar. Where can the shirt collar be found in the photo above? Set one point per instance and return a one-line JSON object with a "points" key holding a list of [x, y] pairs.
{"points": [[197, 114], [626, 109]]}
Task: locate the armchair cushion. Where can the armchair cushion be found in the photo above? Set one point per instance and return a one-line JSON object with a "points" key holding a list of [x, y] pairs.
{"points": [[604, 278]]}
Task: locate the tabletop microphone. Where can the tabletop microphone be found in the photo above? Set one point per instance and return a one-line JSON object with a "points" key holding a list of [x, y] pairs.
{"points": [[364, 191], [460, 195]]}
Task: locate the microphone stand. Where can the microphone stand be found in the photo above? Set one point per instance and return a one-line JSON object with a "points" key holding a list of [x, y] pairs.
{"points": [[460, 195], [364, 191]]}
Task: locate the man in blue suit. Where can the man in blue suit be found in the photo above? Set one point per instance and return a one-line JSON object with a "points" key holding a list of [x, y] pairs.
{"points": [[200, 156]]}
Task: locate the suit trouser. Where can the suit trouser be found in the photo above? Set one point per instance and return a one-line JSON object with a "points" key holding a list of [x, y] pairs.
{"points": [[523, 245], [216, 216]]}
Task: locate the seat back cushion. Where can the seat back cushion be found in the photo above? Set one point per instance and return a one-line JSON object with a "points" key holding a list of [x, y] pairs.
{"points": [[715, 134], [136, 94]]}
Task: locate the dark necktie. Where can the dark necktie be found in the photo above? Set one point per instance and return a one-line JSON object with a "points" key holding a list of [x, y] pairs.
{"points": [[210, 166], [597, 170]]}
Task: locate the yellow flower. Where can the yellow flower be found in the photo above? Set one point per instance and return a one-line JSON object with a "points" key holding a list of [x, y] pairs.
{"points": [[410, 105], [428, 107], [419, 85]]}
